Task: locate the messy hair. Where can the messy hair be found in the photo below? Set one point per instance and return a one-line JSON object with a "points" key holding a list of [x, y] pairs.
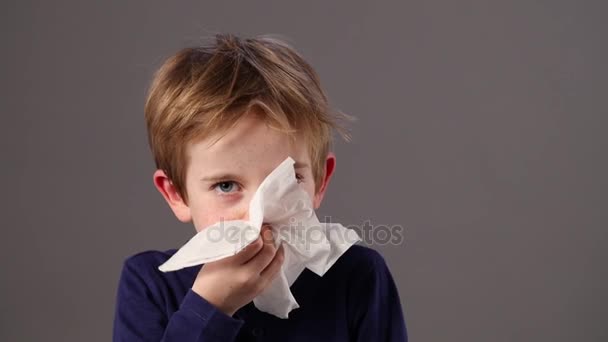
{"points": [[203, 91]]}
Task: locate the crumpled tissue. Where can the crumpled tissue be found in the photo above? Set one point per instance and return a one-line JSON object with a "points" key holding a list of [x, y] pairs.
{"points": [[308, 243]]}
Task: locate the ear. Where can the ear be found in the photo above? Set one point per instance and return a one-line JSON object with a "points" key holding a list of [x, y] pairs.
{"points": [[164, 185], [330, 166]]}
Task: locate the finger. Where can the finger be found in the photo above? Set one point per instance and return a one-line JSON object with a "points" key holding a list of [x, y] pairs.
{"points": [[261, 260], [267, 234], [248, 252], [251, 250], [275, 265]]}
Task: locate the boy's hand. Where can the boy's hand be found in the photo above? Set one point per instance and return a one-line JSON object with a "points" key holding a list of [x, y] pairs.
{"points": [[231, 283]]}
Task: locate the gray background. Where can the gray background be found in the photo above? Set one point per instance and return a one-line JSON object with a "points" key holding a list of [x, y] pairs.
{"points": [[481, 131]]}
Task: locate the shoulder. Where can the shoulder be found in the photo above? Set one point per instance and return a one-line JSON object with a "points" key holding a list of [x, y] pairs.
{"points": [[149, 257], [140, 278], [362, 259], [365, 279], [145, 264], [360, 263], [372, 299]]}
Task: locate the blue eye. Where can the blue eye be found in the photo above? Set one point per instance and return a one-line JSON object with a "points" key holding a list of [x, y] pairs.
{"points": [[225, 187]]}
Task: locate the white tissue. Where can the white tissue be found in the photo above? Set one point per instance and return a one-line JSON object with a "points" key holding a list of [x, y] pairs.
{"points": [[280, 202]]}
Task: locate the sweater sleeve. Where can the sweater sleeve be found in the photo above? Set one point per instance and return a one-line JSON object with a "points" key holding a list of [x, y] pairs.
{"points": [[376, 309], [140, 317]]}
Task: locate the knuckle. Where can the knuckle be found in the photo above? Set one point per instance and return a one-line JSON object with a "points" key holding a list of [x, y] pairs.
{"points": [[243, 279], [247, 283], [259, 286], [255, 285]]}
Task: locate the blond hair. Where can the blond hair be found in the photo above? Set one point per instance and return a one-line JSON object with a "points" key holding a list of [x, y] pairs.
{"points": [[203, 91]]}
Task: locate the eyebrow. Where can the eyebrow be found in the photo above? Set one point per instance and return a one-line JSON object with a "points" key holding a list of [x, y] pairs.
{"points": [[220, 177], [299, 165], [231, 176]]}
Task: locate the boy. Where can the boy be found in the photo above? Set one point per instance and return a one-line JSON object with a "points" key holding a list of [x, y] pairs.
{"points": [[220, 118]]}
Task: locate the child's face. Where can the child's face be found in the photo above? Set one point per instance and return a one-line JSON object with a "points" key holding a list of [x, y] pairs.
{"points": [[222, 178]]}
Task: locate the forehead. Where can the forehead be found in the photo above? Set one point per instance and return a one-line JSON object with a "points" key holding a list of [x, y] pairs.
{"points": [[249, 146]]}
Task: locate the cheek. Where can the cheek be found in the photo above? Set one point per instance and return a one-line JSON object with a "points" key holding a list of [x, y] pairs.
{"points": [[206, 213]]}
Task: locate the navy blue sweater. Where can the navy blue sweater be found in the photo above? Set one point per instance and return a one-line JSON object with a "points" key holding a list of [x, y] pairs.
{"points": [[356, 300]]}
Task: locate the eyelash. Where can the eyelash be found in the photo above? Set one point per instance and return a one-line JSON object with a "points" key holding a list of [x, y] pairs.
{"points": [[299, 178], [221, 193]]}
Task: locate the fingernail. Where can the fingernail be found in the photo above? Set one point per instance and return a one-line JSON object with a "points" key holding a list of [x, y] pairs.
{"points": [[268, 234]]}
